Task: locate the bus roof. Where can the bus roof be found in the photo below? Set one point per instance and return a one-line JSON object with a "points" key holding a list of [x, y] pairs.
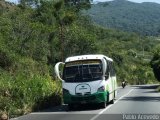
{"points": [[87, 57]]}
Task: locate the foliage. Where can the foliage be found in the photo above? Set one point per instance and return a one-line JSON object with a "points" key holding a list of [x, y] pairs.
{"points": [[22, 93], [159, 89], [155, 62]]}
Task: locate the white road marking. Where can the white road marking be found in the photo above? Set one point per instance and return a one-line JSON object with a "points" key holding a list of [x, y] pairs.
{"points": [[48, 113], [96, 116]]}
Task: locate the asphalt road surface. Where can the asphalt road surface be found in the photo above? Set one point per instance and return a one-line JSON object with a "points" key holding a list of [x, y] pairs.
{"points": [[132, 103]]}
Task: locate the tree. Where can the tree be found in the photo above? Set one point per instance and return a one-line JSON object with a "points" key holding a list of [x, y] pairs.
{"points": [[23, 4], [155, 62]]}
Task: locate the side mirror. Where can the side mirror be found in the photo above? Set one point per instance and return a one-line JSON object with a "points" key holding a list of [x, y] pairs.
{"points": [[57, 70]]}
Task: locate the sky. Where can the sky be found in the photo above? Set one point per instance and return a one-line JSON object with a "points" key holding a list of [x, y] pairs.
{"points": [[14, 1], [138, 1]]}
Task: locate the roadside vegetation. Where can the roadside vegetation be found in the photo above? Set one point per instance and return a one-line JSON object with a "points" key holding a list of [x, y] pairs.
{"points": [[33, 39], [155, 62]]}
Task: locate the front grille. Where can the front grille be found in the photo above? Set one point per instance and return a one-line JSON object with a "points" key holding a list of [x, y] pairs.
{"points": [[87, 93], [83, 98], [80, 94]]}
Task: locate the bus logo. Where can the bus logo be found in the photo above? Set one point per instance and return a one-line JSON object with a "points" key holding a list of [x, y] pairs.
{"points": [[83, 89]]}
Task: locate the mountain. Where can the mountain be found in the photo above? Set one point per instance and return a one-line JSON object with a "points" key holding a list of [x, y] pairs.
{"points": [[142, 18], [6, 6]]}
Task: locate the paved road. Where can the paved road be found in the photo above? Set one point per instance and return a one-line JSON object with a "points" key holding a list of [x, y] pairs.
{"points": [[133, 102]]}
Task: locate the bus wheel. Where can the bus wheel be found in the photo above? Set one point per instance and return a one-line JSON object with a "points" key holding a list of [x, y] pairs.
{"points": [[103, 104], [70, 106], [112, 101]]}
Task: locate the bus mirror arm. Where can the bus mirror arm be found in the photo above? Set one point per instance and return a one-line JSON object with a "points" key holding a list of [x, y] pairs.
{"points": [[107, 76], [56, 69]]}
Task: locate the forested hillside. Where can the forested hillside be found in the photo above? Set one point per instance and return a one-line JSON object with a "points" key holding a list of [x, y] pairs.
{"points": [[142, 18], [33, 39]]}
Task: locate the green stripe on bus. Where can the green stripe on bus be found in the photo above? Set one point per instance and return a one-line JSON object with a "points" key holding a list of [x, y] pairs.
{"points": [[93, 98]]}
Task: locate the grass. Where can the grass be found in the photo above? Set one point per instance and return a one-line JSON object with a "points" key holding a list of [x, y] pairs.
{"points": [[27, 86], [20, 95]]}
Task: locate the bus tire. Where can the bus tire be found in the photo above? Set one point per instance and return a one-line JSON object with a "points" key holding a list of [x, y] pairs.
{"points": [[112, 101], [103, 104], [70, 106]]}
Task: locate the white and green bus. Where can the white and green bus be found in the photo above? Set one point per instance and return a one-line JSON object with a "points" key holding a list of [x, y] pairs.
{"points": [[87, 79]]}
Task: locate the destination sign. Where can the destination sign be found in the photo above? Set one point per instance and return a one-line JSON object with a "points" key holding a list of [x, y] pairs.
{"points": [[81, 62]]}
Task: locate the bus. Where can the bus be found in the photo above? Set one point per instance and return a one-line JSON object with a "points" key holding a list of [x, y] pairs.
{"points": [[87, 79]]}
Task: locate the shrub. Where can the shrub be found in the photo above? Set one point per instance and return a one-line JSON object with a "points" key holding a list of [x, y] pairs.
{"points": [[27, 87]]}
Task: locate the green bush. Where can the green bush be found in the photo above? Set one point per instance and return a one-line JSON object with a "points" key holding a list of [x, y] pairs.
{"points": [[20, 94], [27, 87], [155, 62]]}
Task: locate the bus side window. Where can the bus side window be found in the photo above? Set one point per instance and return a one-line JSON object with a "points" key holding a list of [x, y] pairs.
{"points": [[110, 69], [107, 70], [113, 70]]}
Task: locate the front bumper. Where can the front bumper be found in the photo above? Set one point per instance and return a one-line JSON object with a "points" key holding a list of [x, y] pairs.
{"points": [[97, 97]]}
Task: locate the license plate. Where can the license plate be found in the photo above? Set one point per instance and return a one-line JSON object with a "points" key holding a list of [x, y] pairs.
{"points": [[83, 102]]}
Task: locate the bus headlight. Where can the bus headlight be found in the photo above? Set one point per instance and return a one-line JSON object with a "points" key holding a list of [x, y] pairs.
{"points": [[65, 91], [101, 89]]}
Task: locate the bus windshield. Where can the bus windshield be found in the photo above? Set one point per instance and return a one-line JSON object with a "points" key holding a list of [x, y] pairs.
{"points": [[83, 71]]}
